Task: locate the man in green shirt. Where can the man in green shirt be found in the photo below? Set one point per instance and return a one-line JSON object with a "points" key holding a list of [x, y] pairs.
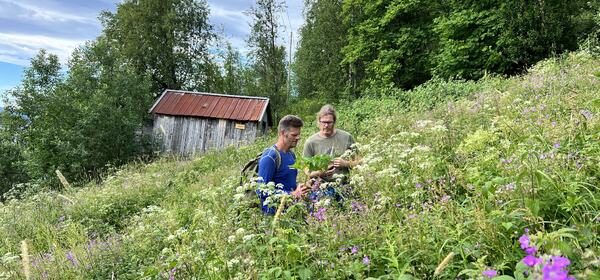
{"points": [[330, 141]]}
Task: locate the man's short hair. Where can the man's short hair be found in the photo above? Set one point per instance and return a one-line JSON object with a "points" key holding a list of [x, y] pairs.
{"points": [[290, 121], [326, 110]]}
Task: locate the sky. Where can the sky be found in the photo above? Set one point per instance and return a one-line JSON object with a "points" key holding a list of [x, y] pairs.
{"points": [[59, 26]]}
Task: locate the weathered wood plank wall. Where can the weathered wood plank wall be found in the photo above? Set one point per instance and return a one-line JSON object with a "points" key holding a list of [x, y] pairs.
{"points": [[189, 136]]}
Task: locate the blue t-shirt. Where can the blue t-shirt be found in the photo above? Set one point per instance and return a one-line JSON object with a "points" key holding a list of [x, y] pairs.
{"points": [[267, 170]]}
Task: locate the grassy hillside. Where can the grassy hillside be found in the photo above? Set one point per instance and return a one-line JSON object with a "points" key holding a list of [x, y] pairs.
{"points": [[467, 184]]}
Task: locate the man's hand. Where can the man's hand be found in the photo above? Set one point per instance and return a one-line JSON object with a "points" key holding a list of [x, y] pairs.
{"points": [[339, 162], [321, 174], [300, 191]]}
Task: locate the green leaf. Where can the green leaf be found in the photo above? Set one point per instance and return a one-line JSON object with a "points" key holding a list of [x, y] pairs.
{"points": [[304, 273], [533, 205], [520, 270], [275, 271], [503, 277], [507, 226]]}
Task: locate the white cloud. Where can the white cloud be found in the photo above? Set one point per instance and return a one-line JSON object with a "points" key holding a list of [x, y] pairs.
{"points": [[41, 14], [19, 48], [61, 26]]}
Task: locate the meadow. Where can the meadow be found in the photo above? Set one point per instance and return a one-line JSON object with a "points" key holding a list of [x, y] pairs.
{"points": [[494, 179]]}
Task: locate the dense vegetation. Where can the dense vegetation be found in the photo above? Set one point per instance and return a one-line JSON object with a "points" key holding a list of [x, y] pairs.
{"points": [[482, 175], [348, 49], [467, 172]]}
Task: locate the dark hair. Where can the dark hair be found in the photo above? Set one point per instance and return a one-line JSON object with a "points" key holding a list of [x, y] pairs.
{"points": [[290, 121], [326, 110]]}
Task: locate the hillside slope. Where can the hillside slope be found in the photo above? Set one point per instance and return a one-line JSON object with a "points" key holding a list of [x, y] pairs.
{"points": [[467, 189]]}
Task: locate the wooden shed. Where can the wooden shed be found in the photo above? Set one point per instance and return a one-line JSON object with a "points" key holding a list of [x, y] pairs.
{"points": [[188, 123]]}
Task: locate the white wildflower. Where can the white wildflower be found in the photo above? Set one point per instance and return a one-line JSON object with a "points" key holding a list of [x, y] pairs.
{"points": [[231, 239], [323, 203], [239, 196], [233, 262], [240, 232], [439, 128], [248, 237], [422, 123]]}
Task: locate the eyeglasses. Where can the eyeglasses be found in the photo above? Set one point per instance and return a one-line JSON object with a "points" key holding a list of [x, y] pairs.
{"points": [[327, 123]]}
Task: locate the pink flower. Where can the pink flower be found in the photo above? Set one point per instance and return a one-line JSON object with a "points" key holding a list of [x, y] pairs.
{"points": [[531, 261], [524, 240], [366, 260], [489, 273]]}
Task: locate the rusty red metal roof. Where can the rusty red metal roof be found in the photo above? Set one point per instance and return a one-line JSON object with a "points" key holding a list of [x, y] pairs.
{"points": [[211, 105]]}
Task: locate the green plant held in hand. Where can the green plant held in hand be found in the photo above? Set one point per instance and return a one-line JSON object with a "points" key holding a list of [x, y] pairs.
{"points": [[316, 163]]}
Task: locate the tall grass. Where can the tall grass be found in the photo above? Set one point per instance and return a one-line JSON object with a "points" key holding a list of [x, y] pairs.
{"points": [[442, 193]]}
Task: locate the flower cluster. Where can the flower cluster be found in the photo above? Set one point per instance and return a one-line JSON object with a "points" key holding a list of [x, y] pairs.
{"points": [[549, 267]]}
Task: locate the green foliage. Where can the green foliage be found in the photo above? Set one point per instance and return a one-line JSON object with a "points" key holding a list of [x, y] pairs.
{"points": [[317, 66], [316, 163], [389, 42], [12, 171], [488, 37], [466, 177], [70, 123], [403, 43], [232, 80], [169, 40], [268, 57]]}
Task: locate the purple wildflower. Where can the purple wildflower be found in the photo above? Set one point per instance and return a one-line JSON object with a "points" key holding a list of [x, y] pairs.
{"points": [[530, 250], [489, 273], [554, 272], [366, 260], [320, 214], [587, 114], [524, 240], [354, 250], [553, 124], [71, 258], [172, 273], [556, 145], [445, 198], [560, 261], [48, 256], [61, 219], [357, 207], [531, 261], [411, 216]]}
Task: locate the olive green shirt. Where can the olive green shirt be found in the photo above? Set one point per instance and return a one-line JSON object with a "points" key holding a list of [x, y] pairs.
{"points": [[334, 146]]}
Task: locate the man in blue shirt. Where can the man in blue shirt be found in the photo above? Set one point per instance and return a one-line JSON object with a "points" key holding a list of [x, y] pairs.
{"points": [[274, 165]]}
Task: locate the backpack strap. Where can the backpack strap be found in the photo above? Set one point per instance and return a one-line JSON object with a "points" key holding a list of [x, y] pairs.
{"points": [[251, 163], [277, 157]]}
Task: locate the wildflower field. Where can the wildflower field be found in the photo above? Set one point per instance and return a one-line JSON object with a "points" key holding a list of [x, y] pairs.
{"points": [[496, 179]]}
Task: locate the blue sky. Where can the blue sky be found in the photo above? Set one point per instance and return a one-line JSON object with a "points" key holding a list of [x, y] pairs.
{"points": [[26, 26]]}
